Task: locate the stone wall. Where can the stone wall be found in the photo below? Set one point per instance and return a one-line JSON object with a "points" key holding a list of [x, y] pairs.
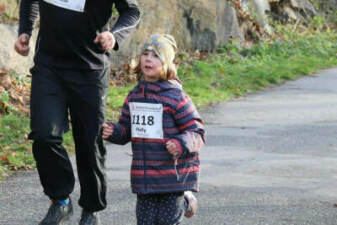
{"points": [[9, 59], [196, 24], [11, 7]]}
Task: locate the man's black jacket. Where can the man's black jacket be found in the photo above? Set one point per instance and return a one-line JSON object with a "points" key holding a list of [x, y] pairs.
{"points": [[66, 36]]}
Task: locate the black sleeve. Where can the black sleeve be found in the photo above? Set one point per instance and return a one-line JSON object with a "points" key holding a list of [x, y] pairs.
{"points": [[129, 17], [29, 10]]}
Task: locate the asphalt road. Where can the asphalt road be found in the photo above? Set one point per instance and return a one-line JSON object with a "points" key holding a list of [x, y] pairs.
{"points": [[270, 158]]}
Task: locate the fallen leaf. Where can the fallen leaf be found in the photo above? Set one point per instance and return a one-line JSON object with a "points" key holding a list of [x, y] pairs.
{"points": [[2, 89], [17, 97], [3, 72], [3, 107], [4, 158], [5, 81], [2, 8]]}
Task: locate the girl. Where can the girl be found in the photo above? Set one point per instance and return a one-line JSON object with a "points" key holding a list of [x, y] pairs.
{"points": [[166, 132]]}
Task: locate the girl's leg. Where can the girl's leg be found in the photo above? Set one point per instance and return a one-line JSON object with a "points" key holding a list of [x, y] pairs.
{"points": [[147, 209], [172, 207]]}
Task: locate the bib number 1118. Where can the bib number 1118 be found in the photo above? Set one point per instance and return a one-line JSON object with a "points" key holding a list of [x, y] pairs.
{"points": [[143, 120]]}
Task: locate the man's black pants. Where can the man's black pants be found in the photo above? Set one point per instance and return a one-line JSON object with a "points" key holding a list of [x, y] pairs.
{"points": [[56, 92]]}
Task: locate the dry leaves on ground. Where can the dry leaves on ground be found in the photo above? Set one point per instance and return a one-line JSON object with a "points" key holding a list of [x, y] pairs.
{"points": [[5, 17], [18, 93]]}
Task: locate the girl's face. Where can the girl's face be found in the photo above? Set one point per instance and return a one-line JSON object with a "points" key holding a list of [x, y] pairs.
{"points": [[150, 65]]}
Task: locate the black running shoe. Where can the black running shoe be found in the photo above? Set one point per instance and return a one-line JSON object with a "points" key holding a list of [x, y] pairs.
{"points": [[57, 213], [89, 218]]}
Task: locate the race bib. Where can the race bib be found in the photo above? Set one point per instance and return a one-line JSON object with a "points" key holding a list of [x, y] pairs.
{"points": [[75, 5], [146, 120]]}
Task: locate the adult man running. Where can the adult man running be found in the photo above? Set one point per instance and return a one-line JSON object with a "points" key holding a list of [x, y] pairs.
{"points": [[71, 74]]}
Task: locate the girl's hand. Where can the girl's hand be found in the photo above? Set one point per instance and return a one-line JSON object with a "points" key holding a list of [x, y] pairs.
{"points": [[172, 149], [108, 130]]}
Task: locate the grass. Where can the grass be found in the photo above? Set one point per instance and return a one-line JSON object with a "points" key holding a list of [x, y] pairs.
{"points": [[236, 71], [232, 71], [115, 100], [15, 152]]}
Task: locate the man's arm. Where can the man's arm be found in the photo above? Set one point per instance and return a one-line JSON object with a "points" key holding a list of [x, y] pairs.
{"points": [[129, 17], [29, 10]]}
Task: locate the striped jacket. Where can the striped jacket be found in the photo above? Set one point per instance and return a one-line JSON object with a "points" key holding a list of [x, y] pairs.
{"points": [[153, 169]]}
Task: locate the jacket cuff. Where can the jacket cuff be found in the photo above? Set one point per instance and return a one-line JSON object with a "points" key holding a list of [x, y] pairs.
{"points": [[117, 41]]}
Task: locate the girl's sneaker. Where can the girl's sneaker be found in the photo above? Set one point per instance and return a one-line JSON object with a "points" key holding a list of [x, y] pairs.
{"points": [[192, 204]]}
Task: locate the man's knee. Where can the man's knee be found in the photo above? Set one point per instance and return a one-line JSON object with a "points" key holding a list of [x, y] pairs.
{"points": [[43, 144], [43, 138]]}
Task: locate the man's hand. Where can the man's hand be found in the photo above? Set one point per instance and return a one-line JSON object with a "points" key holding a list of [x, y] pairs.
{"points": [[106, 40], [172, 149], [108, 130], [22, 44]]}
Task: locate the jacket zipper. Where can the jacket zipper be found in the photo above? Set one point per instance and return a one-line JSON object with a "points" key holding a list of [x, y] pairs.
{"points": [[144, 158]]}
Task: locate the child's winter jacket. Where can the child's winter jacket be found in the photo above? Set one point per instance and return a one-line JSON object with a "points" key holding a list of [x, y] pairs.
{"points": [[153, 169]]}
